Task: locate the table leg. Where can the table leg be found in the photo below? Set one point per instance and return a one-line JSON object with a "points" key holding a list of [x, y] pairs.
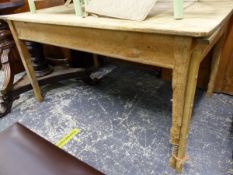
{"points": [[179, 79], [188, 106], [214, 65], [25, 57]]}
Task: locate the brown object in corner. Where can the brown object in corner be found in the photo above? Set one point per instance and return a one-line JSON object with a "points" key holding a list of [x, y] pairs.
{"points": [[23, 152], [224, 80]]}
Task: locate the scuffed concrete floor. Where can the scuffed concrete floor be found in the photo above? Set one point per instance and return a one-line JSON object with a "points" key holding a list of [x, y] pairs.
{"points": [[125, 122]]}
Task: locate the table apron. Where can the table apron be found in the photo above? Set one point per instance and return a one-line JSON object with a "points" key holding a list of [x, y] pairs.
{"points": [[145, 48]]}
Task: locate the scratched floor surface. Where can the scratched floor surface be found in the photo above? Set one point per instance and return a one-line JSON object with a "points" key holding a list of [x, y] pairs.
{"points": [[125, 122]]}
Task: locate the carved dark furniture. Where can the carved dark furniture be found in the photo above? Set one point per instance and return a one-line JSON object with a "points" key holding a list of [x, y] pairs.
{"points": [[10, 61]]}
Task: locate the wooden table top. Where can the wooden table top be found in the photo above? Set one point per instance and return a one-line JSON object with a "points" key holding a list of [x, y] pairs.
{"points": [[200, 18]]}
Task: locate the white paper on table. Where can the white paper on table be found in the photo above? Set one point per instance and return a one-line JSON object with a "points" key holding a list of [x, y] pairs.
{"points": [[125, 9]]}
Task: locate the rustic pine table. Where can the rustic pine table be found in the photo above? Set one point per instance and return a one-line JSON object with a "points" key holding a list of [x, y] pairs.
{"points": [[160, 40]]}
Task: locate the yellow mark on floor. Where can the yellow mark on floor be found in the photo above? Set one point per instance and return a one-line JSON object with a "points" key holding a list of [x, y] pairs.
{"points": [[67, 138]]}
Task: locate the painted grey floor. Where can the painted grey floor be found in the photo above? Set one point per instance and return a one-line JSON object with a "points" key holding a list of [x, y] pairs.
{"points": [[125, 122]]}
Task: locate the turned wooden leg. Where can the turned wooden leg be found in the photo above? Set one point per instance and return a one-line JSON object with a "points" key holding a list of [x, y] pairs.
{"points": [[7, 70], [6, 47], [39, 62], [5, 96], [179, 80]]}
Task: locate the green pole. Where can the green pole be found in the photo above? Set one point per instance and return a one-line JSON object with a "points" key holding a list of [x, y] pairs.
{"points": [[178, 9], [78, 7], [32, 6]]}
